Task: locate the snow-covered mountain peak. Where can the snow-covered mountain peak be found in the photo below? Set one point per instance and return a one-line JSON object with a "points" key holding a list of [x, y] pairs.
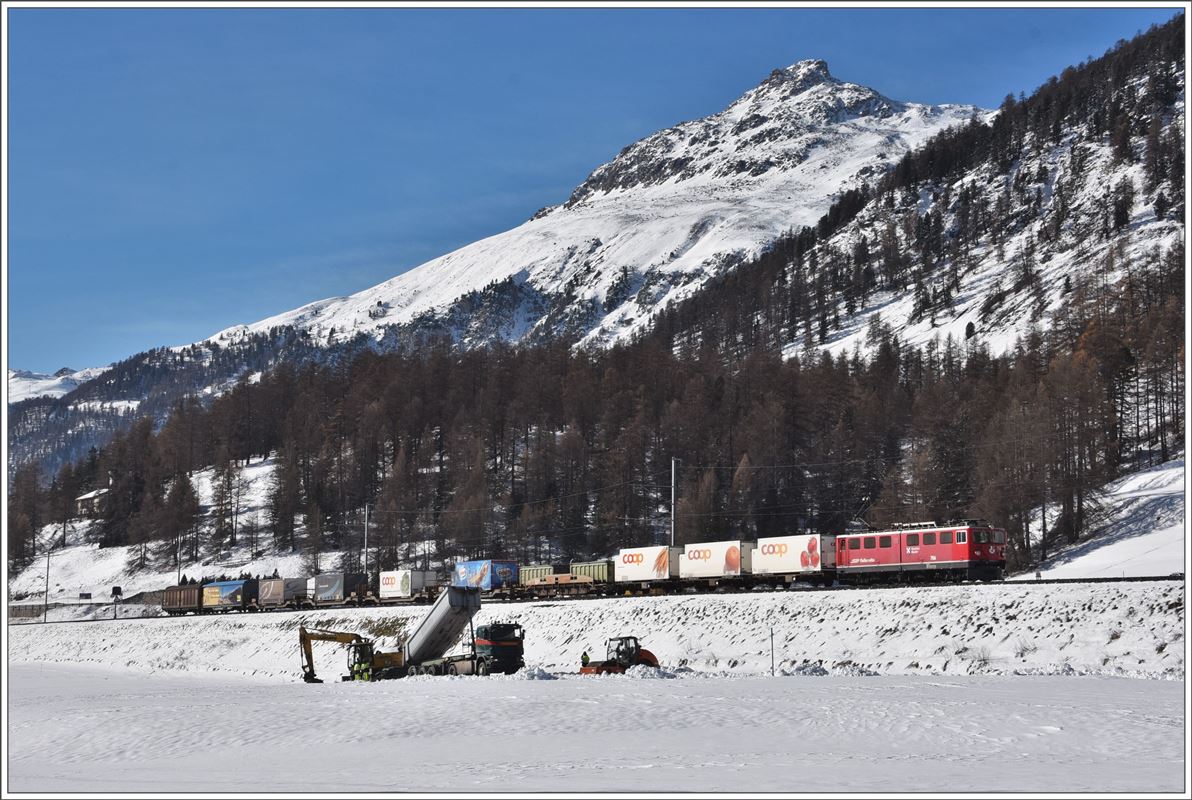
{"points": [[648, 227], [770, 127], [800, 76]]}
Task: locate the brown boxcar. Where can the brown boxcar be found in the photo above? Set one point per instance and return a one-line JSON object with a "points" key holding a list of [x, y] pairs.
{"points": [[182, 600]]}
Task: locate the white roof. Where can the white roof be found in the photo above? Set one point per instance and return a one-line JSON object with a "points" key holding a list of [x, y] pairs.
{"points": [[90, 495]]}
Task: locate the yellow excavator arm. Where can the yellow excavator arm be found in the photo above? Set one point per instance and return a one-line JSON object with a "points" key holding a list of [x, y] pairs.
{"points": [[305, 637]]}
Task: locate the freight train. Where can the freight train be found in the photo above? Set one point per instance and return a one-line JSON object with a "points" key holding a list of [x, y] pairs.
{"points": [[971, 550]]}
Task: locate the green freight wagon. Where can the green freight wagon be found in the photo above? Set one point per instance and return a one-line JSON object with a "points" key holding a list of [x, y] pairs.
{"points": [[601, 572], [532, 571]]}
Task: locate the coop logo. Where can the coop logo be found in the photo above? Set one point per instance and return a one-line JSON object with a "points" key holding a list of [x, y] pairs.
{"points": [[388, 580], [632, 558], [774, 549], [699, 555]]}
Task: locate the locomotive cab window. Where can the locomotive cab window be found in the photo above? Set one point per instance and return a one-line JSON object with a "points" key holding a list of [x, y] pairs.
{"points": [[869, 542], [883, 541], [912, 540], [929, 538], [945, 537], [999, 537], [982, 537], [961, 537]]}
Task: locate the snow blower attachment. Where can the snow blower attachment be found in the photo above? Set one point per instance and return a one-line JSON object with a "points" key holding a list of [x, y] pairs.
{"points": [[623, 652], [496, 648]]}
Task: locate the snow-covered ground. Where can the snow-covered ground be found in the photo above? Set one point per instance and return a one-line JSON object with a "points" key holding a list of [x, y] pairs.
{"points": [[75, 729], [1118, 629], [1142, 532]]}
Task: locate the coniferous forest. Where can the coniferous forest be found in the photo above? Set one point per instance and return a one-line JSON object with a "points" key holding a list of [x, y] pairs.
{"points": [[551, 452]]}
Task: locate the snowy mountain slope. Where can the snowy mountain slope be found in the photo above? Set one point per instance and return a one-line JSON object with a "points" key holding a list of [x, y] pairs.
{"points": [[23, 384], [84, 566], [1142, 533], [650, 226], [988, 294]]}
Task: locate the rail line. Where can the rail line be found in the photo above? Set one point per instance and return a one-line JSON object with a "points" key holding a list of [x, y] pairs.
{"points": [[1174, 577]]}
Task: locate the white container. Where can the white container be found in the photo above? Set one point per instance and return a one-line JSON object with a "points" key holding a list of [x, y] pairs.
{"points": [[647, 564], [406, 583], [785, 555], [716, 559]]}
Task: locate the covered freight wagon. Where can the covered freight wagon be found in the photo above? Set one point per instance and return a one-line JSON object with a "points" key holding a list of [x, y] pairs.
{"points": [[334, 588], [647, 564], [182, 600], [729, 559], [486, 575], [531, 572], [230, 595], [602, 571], [283, 593]]}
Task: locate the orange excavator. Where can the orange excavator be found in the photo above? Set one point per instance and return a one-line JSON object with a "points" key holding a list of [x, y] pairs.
{"points": [[623, 652]]}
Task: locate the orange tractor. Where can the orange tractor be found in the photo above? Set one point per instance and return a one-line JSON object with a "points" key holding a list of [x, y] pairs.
{"points": [[623, 652]]}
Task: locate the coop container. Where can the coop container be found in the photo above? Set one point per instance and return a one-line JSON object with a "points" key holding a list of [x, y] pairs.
{"points": [[407, 583], [648, 563], [790, 555], [716, 559]]}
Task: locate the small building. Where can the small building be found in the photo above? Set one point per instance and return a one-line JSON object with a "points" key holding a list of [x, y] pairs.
{"points": [[92, 503]]}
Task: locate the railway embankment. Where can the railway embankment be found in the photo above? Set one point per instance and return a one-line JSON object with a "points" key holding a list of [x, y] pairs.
{"points": [[1132, 629]]}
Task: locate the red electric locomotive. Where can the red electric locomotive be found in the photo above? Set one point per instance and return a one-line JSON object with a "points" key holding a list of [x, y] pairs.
{"points": [[923, 551]]}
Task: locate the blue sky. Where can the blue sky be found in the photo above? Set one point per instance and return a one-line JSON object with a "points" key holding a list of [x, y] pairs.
{"points": [[174, 171]]}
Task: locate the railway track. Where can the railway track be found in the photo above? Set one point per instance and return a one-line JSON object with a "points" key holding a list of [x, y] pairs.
{"points": [[1175, 577]]}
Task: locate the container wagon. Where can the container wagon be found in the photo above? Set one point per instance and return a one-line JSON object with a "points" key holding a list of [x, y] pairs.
{"points": [[647, 569], [496, 578], [712, 564], [409, 584], [225, 596], [338, 588], [275, 593], [783, 560]]}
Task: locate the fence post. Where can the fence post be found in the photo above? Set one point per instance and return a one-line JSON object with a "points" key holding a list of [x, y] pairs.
{"points": [[771, 651]]}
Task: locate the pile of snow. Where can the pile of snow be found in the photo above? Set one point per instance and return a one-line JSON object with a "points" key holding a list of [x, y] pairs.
{"points": [[1142, 533], [1133, 629]]}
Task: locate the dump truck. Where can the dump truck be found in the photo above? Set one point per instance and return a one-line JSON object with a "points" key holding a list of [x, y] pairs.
{"points": [[494, 648]]}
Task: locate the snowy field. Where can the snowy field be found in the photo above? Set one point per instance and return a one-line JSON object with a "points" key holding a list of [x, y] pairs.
{"points": [[614, 733]]}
